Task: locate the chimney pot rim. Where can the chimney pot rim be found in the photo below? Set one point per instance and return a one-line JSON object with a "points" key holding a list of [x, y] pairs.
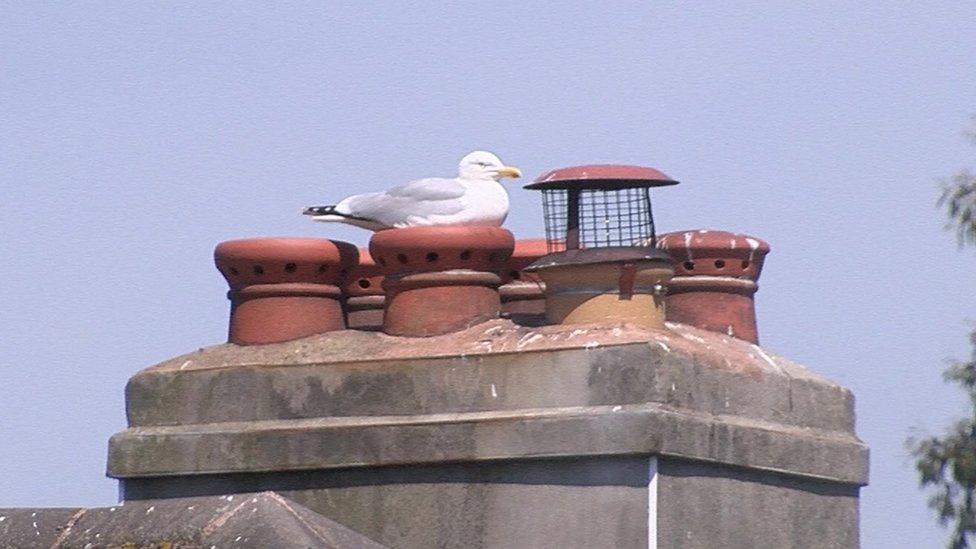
{"points": [[712, 239], [705, 252], [441, 248], [271, 260], [366, 270]]}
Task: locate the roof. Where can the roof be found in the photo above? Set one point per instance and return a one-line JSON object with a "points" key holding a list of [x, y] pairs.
{"points": [[263, 519]]}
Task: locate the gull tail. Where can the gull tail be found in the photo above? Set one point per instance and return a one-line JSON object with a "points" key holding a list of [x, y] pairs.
{"points": [[329, 214]]}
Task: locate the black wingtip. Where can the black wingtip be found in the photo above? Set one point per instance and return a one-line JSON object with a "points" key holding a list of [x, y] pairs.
{"points": [[319, 210]]}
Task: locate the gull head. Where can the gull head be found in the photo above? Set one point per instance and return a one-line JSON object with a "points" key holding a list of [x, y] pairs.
{"points": [[482, 165]]}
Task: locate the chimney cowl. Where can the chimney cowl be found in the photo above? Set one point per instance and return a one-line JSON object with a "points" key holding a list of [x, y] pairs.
{"points": [[440, 279], [599, 205], [598, 221], [284, 288], [715, 280]]}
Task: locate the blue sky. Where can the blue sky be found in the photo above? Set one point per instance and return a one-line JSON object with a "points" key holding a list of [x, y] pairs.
{"points": [[135, 136]]}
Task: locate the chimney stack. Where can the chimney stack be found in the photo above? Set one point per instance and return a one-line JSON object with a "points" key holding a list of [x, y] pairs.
{"points": [[598, 430], [440, 279], [284, 288], [715, 280]]}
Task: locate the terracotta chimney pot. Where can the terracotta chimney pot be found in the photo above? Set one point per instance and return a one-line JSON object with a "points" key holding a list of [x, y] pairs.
{"points": [[715, 280], [365, 299], [284, 288], [522, 292], [440, 279], [605, 285]]}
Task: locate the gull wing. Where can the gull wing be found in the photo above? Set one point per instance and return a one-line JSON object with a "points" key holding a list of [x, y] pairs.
{"points": [[430, 189], [412, 202]]}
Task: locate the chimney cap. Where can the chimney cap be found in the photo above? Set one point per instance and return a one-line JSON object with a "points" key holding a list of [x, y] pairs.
{"points": [[601, 176]]}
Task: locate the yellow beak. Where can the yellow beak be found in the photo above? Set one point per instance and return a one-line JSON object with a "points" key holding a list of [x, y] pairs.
{"points": [[510, 171]]}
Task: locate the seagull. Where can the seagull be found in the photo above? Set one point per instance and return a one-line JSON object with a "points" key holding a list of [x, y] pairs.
{"points": [[474, 197]]}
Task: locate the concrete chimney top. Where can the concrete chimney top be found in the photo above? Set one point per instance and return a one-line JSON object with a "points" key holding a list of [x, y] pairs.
{"points": [[500, 432]]}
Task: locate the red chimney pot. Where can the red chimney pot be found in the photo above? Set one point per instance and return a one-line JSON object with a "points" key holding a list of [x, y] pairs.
{"points": [[440, 279], [523, 293], [715, 280], [365, 298], [284, 288]]}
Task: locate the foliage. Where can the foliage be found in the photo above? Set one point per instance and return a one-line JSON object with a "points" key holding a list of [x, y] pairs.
{"points": [[959, 199], [947, 464]]}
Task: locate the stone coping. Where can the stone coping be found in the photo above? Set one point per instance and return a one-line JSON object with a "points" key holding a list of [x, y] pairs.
{"points": [[324, 443]]}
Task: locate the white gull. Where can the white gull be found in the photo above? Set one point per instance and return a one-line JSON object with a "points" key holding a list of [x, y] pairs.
{"points": [[474, 197]]}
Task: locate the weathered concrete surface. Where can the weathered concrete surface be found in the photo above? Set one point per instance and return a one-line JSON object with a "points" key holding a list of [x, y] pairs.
{"points": [[577, 390], [689, 368], [593, 502], [703, 506], [608, 430], [257, 520], [475, 439]]}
